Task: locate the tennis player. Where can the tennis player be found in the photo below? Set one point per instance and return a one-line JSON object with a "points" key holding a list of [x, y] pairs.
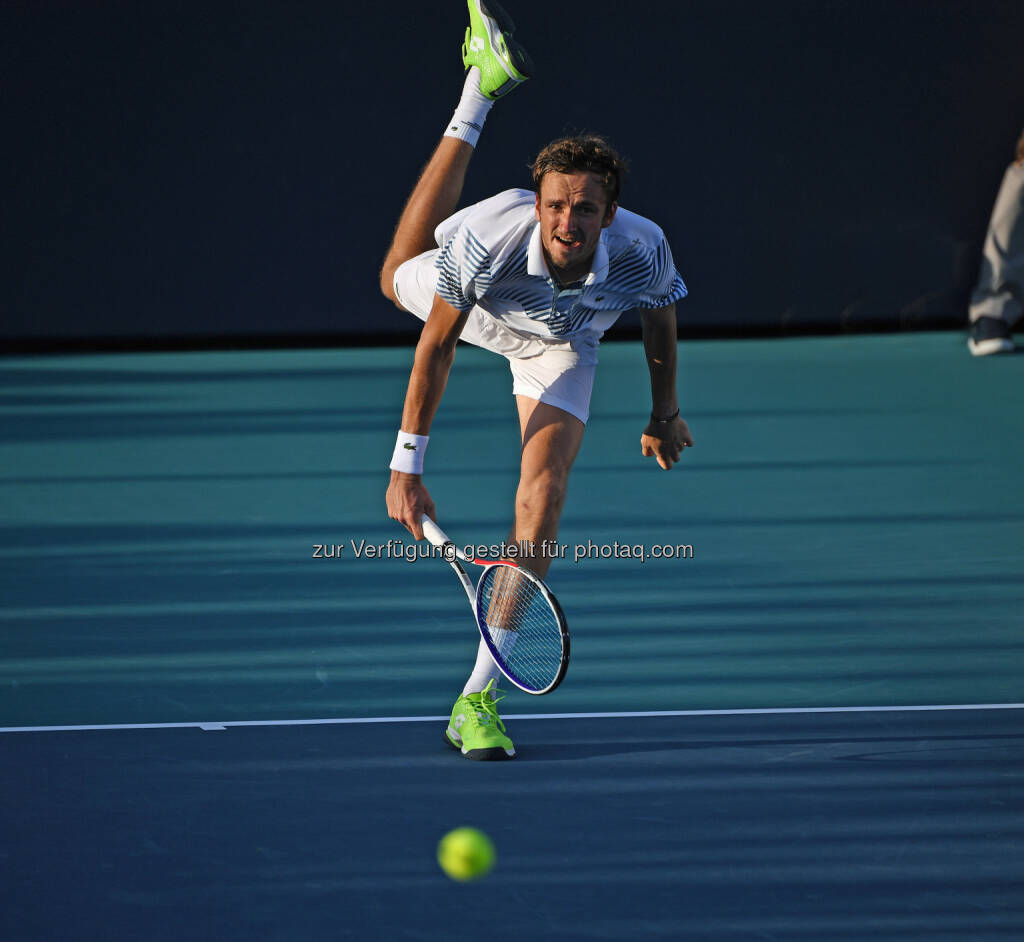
{"points": [[536, 277]]}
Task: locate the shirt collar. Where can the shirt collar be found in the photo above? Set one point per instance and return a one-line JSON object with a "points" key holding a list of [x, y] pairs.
{"points": [[537, 265]]}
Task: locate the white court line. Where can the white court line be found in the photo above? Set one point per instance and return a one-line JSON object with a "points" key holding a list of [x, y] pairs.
{"points": [[351, 721]]}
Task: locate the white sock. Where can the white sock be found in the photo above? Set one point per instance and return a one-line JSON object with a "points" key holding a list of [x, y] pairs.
{"points": [[468, 120], [485, 670]]}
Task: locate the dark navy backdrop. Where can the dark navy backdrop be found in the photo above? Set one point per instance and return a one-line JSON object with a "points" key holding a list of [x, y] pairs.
{"points": [[236, 168]]}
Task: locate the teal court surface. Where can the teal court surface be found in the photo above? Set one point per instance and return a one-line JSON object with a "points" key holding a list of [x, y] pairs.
{"points": [[803, 725]]}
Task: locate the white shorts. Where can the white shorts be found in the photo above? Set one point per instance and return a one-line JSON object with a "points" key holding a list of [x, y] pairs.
{"points": [[558, 372]]}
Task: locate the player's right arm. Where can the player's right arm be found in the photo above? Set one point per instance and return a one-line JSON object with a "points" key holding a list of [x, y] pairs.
{"points": [[407, 497]]}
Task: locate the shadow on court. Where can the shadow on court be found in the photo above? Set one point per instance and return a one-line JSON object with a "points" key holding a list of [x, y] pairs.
{"points": [[795, 827]]}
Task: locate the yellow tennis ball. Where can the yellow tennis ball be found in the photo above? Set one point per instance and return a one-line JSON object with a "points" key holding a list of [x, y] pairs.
{"points": [[465, 854]]}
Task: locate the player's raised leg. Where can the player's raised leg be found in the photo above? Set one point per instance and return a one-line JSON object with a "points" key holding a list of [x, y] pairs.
{"points": [[433, 199], [496, 64]]}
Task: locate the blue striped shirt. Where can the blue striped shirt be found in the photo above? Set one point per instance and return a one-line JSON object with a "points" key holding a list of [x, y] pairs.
{"points": [[491, 257]]}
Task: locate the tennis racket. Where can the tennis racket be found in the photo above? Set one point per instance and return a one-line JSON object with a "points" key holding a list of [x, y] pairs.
{"points": [[519, 618]]}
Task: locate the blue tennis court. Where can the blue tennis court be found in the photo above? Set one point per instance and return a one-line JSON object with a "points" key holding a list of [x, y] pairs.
{"points": [[739, 751]]}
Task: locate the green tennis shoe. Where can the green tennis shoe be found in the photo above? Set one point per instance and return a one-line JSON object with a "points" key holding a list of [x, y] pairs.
{"points": [[475, 728], [489, 45]]}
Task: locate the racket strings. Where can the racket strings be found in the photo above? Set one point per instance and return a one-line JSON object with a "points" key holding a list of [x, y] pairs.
{"points": [[522, 625]]}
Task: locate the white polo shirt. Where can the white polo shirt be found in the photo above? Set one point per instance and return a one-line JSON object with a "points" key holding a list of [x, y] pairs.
{"points": [[491, 257]]}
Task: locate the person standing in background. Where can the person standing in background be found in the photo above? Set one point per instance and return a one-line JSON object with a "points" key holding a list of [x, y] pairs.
{"points": [[998, 299]]}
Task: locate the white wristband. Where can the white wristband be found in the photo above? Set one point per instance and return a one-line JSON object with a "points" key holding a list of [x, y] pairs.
{"points": [[408, 456]]}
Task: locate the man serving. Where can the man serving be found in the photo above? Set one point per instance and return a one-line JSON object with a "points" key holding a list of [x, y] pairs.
{"points": [[537, 277]]}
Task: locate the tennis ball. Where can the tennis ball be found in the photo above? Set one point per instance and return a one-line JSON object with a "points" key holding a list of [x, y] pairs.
{"points": [[465, 854]]}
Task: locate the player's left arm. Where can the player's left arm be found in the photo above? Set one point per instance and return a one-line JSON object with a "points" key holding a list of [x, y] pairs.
{"points": [[667, 433]]}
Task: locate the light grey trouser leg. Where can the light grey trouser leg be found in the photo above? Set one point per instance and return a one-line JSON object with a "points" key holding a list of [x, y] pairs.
{"points": [[1000, 289]]}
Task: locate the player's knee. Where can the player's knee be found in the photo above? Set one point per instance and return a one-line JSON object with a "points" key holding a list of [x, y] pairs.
{"points": [[541, 495]]}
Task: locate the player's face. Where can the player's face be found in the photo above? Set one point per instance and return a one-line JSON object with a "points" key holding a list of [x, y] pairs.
{"points": [[572, 209]]}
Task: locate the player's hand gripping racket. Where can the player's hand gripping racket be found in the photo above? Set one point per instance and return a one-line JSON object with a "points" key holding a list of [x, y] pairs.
{"points": [[519, 618]]}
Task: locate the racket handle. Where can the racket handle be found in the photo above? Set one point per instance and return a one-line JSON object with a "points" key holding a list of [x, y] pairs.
{"points": [[433, 532]]}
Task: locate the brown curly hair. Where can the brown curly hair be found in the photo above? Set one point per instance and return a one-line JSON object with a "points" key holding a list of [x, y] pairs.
{"points": [[579, 154]]}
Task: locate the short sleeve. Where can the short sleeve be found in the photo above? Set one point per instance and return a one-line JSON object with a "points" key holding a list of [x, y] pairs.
{"points": [[665, 286], [463, 269]]}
